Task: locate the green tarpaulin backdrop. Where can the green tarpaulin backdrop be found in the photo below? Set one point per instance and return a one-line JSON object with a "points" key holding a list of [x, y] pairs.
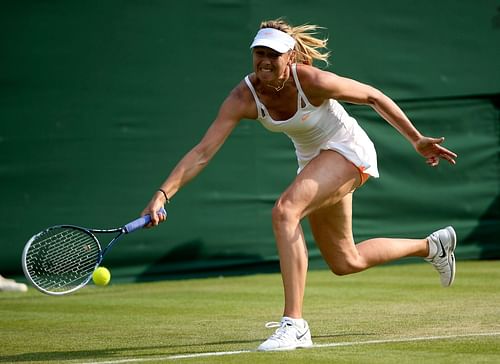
{"points": [[99, 99]]}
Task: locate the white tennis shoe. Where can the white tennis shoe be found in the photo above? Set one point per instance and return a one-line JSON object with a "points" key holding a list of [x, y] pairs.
{"points": [[10, 285], [445, 241], [288, 336]]}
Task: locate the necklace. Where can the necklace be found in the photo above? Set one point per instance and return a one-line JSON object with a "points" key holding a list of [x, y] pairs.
{"points": [[279, 88]]}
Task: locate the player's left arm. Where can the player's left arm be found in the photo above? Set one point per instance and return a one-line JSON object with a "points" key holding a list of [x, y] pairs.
{"points": [[330, 85]]}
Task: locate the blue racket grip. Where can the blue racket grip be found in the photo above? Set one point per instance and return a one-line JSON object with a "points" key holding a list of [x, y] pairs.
{"points": [[141, 222]]}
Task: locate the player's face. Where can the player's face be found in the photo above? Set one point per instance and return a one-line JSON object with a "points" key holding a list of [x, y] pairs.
{"points": [[268, 64]]}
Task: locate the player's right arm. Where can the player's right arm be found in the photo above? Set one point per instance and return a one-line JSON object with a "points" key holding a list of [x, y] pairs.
{"points": [[234, 108]]}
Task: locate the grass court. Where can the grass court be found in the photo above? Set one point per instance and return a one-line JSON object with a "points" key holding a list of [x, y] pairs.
{"points": [[390, 314]]}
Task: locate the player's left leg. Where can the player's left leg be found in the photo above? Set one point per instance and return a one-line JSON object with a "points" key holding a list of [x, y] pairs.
{"points": [[332, 230]]}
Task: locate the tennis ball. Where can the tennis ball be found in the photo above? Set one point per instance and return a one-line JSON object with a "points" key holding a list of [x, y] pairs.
{"points": [[101, 276]]}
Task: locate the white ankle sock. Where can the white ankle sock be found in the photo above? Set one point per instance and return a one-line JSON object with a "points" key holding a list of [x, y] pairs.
{"points": [[298, 322], [432, 249]]}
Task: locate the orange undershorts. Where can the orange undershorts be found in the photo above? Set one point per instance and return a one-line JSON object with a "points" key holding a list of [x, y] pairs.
{"points": [[362, 175]]}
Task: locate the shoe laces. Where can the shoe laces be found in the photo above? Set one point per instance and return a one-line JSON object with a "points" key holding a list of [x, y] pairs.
{"points": [[281, 330], [272, 324], [440, 263]]}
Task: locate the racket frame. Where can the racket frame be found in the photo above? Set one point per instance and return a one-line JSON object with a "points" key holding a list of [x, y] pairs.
{"points": [[126, 229]]}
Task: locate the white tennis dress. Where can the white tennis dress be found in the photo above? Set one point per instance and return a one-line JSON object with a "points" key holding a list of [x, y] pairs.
{"points": [[324, 127]]}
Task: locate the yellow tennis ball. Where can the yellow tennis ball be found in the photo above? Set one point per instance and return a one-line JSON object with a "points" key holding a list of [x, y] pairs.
{"points": [[101, 276]]}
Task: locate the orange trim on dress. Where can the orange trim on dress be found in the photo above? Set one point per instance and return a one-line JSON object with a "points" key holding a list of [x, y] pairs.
{"points": [[362, 175]]}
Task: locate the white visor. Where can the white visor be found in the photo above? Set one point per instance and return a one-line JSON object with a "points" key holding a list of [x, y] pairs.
{"points": [[274, 39]]}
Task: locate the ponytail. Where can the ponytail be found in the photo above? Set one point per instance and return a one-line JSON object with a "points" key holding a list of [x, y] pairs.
{"points": [[308, 47]]}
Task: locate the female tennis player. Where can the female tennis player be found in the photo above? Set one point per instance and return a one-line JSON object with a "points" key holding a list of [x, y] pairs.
{"points": [[287, 93]]}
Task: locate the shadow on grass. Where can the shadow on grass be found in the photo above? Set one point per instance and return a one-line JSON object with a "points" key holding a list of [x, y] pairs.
{"points": [[135, 352]]}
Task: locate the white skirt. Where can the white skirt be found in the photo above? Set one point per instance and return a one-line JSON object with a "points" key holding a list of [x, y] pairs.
{"points": [[353, 143]]}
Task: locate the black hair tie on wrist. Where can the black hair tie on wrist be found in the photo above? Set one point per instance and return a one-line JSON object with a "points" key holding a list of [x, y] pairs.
{"points": [[167, 200]]}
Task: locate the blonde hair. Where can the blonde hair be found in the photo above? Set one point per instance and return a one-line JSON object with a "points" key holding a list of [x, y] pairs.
{"points": [[307, 47]]}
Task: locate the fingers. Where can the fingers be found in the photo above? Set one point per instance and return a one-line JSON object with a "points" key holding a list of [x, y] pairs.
{"points": [[450, 158], [155, 219], [447, 155], [432, 161], [156, 216], [437, 140], [434, 152], [154, 208], [161, 217]]}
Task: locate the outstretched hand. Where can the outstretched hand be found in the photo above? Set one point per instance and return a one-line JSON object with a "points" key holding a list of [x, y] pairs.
{"points": [[152, 210], [432, 151]]}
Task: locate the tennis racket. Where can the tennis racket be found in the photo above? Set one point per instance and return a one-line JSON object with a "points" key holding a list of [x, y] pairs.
{"points": [[61, 259]]}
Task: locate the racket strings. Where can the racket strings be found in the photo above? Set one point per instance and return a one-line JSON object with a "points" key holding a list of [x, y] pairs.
{"points": [[61, 258]]}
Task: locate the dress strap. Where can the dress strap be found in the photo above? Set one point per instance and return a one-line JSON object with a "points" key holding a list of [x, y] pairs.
{"points": [[302, 96], [261, 112]]}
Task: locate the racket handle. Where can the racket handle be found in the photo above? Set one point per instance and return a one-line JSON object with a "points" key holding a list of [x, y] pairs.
{"points": [[141, 222]]}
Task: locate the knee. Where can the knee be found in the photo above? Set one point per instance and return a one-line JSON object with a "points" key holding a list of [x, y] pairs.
{"points": [[284, 211], [346, 266]]}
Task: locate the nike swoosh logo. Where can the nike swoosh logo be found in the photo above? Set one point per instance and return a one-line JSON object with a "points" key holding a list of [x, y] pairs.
{"points": [[301, 335], [443, 252]]}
